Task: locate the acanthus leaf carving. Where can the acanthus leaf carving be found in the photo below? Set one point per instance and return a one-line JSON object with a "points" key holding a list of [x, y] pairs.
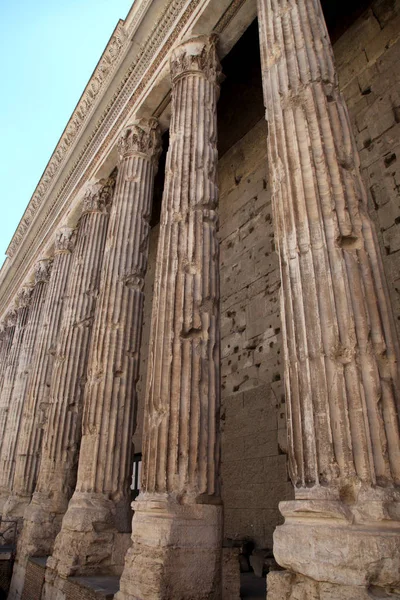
{"points": [[198, 55], [64, 240], [142, 137], [98, 196], [23, 297], [43, 270]]}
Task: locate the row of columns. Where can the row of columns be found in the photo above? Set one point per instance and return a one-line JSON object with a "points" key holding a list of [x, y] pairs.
{"points": [[341, 353]]}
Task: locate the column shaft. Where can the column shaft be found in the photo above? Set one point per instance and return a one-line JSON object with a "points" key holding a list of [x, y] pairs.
{"points": [[60, 448], [22, 306], [105, 462], [8, 335], [37, 396], [14, 431], [341, 369], [176, 528]]}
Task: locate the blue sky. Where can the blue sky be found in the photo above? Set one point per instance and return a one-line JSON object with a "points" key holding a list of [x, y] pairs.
{"points": [[49, 50]]}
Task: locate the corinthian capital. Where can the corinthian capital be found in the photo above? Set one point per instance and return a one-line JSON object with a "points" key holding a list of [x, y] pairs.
{"points": [[196, 56], [23, 297], [10, 320], [64, 240], [143, 137], [98, 196], [43, 270]]}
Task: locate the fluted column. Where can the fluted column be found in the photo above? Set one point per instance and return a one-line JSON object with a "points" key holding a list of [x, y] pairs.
{"points": [[341, 369], [102, 492], [8, 324], [176, 528], [26, 356], [22, 310], [37, 401], [60, 447], [37, 395]]}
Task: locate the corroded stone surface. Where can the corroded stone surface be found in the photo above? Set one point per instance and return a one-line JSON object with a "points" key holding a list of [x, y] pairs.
{"points": [[18, 398], [102, 493], [56, 479], [22, 311], [177, 519], [8, 329], [35, 409], [341, 351]]}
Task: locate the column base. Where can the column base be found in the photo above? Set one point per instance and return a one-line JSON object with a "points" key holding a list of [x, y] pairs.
{"points": [[284, 585], [89, 541], [346, 544], [176, 552]]}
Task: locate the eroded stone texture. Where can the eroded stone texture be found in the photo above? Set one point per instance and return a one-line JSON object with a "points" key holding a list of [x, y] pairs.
{"points": [[99, 510], [176, 528], [7, 337], [37, 398], [57, 472], [22, 311], [18, 398], [283, 585], [341, 351], [253, 425]]}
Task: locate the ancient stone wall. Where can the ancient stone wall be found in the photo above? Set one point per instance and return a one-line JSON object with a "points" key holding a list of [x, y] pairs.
{"points": [[368, 57], [254, 476]]}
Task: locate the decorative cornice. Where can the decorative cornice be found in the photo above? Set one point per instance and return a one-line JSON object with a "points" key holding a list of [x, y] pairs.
{"points": [[105, 68], [142, 137], [196, 56], [64, 240], [128, 83], [42, 270], [23, 297], [98, 196], [141, 71]]}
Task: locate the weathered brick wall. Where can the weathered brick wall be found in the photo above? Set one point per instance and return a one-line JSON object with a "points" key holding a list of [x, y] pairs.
{"points": [[254, 474], [34, 580], [368, 62]]}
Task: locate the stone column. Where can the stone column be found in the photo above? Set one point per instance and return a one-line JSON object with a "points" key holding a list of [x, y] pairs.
{"points": [[177, 529], [22, 310], [102, 493], [37, 400], [37, 394], [60, 447], [18, 397], [341, 368], [8, 335]]}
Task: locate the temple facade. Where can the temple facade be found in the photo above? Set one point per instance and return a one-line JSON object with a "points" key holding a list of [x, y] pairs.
{"points": [[200, 316]]}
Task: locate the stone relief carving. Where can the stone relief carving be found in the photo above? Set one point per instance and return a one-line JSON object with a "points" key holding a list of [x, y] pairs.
{"points": [[43, 270], [64, 240], [24, 297], [10, 320], [98, 196], [142, 137], [115, 49], [196, 57]]}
